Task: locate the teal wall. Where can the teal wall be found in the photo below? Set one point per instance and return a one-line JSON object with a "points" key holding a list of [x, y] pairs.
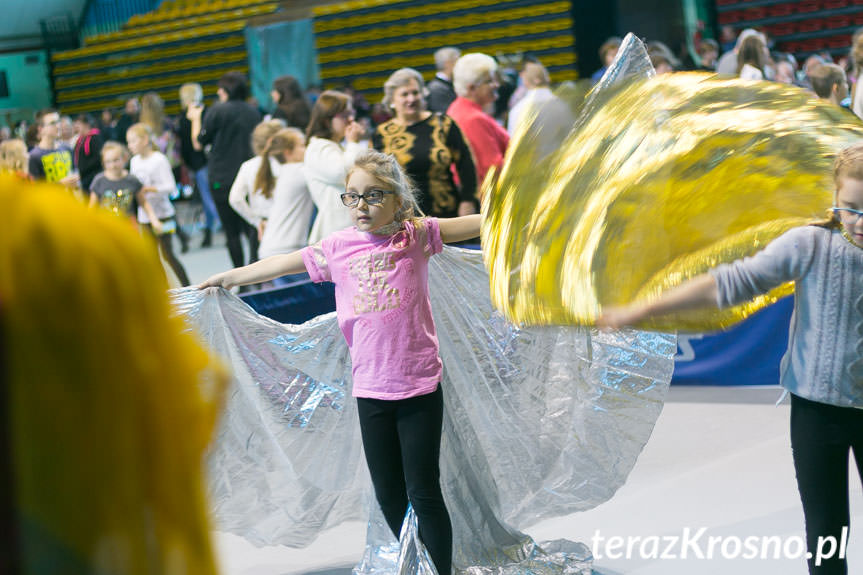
{"points": [[29, 87]]}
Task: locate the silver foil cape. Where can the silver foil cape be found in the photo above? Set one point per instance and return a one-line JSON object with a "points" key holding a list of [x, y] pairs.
{"points": [[538, 423]]}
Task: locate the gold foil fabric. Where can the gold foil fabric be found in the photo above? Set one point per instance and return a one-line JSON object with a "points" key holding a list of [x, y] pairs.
{"points": [[656, 180]]}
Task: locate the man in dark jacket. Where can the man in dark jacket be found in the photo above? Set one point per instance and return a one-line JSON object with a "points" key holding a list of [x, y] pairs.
{"points": [[441, 93], [227, 128]]}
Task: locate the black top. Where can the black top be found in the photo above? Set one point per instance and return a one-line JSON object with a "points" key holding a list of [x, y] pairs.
{"points": [[295, 116], [228, 127], [193, 159], [123, 124], [441, 94], [427, 150], [87, 157]]}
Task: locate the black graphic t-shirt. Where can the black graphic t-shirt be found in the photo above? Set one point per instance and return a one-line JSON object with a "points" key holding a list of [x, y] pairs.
{"points": [[117, 196]]}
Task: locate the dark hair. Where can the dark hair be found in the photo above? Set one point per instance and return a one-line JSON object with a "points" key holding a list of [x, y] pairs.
{"points": [[824, 76], [659, 54], [44, 112], [292, 106], [85, 119], [612, 43], [235, 85], [706, 45], [328, 105]]}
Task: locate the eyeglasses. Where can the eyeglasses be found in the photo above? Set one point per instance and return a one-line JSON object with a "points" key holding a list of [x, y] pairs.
{"points": [[849, 214], [372, 198]]}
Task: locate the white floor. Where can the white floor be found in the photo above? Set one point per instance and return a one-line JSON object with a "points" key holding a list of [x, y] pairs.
{"points": [[719, 459]]}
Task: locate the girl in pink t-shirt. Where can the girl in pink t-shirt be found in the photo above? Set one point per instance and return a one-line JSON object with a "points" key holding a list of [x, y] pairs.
{"points": [[380, 269]]}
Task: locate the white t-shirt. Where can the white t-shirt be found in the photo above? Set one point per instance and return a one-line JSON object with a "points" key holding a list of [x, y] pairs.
{"points": [[287, 228], [748, 72], [155, 171], [252, 205]]}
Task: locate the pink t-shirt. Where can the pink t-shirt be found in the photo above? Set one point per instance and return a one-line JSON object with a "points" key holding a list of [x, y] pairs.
{"points": [[383, 307]]}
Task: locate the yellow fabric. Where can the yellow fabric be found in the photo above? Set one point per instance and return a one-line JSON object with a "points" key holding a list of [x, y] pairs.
{"points": [[659, 181], [111, 402]]}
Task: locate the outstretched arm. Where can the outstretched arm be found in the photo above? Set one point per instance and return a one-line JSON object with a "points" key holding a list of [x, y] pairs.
{"points": [[699, 292], [459, 229], [260, 271]]}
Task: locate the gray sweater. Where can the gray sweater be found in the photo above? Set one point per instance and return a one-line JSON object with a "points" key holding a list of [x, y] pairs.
{"points": [[824, 360]]}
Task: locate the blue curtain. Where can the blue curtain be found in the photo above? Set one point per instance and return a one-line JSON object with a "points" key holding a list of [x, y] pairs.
{"points": [[278, 49]]}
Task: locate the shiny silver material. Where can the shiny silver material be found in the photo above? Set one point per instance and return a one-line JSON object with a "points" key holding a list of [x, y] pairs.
{"points": [[538, 423]]}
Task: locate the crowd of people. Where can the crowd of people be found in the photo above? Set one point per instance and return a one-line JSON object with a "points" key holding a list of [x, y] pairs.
{"points": [[306, 189], [272, 177], [447, 134]]}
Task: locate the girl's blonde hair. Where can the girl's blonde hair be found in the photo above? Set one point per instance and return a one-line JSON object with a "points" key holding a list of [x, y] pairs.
{"points": [[143, 130], [262, 134], [13, 156], [282, 142], [191, 94], [848, 164], [112, 146], [153, 112], [386, 169], [144, 440]]}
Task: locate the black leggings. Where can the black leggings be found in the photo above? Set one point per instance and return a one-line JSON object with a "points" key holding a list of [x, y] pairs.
{"points": [[167, 249], [235, 226], [821, 436], [401, 440]]}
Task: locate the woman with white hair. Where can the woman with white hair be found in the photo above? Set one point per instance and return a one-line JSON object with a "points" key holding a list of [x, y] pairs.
{"points": [[475, 82], [427, 145]]}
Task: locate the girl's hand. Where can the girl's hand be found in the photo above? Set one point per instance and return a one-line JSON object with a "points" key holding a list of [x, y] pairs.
{"points": [[261, 226], [148, 190], [466, 209], [194, 112], [223, 280], [618, 317], [157, 227], [354, 132], [73, 180]]}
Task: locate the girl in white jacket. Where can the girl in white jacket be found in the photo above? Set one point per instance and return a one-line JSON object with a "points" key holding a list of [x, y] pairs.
{"points": [[246, 197], [327, 163], [287, 227]]}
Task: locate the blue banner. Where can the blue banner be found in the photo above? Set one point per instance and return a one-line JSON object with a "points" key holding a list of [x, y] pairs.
{"points": [[278, 49], [747, 354]]}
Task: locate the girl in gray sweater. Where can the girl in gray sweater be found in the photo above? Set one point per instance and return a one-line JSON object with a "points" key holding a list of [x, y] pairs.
{"points": [[823, 366]]}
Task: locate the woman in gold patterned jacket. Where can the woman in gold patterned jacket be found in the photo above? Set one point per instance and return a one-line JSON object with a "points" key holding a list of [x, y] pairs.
{"points": [[428, 146]]}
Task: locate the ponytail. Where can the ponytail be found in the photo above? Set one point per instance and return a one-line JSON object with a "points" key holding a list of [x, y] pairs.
{"points": [[265, 181], [282, 142]]}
